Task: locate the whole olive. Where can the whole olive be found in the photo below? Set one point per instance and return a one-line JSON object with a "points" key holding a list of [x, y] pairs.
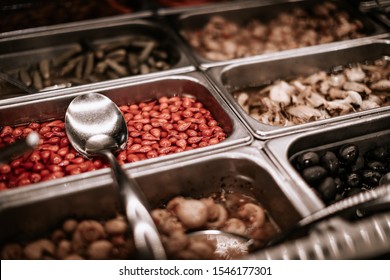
{"points": [[340, 185], [314, 174], [327, 189], [385, 180], [352, 192], [353, 180], [377, 166], [330, 161], [349, 153], [358, 165], [308, 159], [371, 177], [378, 153]]}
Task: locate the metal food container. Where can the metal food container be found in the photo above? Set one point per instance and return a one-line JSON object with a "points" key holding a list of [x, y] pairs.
{"points": [[303, 62], [367, 133], [242, 12], [193, 84], [246, 170], [26, 16], [27, 50]]}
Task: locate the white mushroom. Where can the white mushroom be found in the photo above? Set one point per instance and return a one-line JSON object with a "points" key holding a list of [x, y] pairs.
{"points": [[281, 93], [355, 74]]}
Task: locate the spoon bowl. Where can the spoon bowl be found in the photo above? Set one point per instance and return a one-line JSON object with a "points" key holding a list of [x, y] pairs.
{"points": [[96, 127]]}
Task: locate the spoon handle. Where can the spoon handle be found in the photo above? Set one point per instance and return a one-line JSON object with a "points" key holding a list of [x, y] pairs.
{"points": [[145, 234], [19, 147]]}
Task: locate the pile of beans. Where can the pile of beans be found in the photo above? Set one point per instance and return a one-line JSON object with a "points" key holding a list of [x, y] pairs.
{"points": [[227, 211], [344, 171], [76, 240], [134, 55], [156, 128]]}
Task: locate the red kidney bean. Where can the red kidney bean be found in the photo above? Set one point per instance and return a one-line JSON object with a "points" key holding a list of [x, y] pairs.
{"points": [[181, 143], [28, 165], [17, 132], [165, 143], [7, 130], [134, 148], [38, 166], [192, 133], [164, 150], [155, 132], [194, 140], [5, 168], [183, 126], [122, 156], [149, 136], [35, 177], [145, 149], [132, 158]]}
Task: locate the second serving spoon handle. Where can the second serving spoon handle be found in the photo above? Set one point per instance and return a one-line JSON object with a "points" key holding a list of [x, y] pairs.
{"points": [[145, 234]]}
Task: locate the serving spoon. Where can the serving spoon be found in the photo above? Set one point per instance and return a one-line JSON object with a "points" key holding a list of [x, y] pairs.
{"points": [[96, 127]]}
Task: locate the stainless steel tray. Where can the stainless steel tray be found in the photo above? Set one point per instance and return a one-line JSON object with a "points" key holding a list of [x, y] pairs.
{"points": [[246, 170], [141, 10], [264, 11], [366, 132], [195, 84], [255, 72], [30, 49]]}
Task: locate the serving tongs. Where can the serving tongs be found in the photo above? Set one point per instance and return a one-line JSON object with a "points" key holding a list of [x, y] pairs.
{"points": [[366, 202]]}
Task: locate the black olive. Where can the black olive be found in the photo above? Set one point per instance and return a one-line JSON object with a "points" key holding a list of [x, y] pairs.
{"points": [[353, 180], [385, 180], [371, 178], [352, 192], [358, 165], [377, 166], [379, 153], [314, 174], [349, 153], [308, 159], [340, 185], [327, 189], [330, 161]]}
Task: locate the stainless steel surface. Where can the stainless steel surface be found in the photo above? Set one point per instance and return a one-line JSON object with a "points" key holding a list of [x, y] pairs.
{"points": [[19, 147], [306, 61], [246, 170], [96, 127], [366, 132], [242, 12], [193, 84], [28, 49]]}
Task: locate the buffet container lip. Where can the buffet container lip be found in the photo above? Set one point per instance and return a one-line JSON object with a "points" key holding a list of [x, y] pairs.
{"points": [[140, 14], [380, 31], [279, 149], [238, 136], [263, 131], [174, 11], [183, 65], [302, 205]]}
